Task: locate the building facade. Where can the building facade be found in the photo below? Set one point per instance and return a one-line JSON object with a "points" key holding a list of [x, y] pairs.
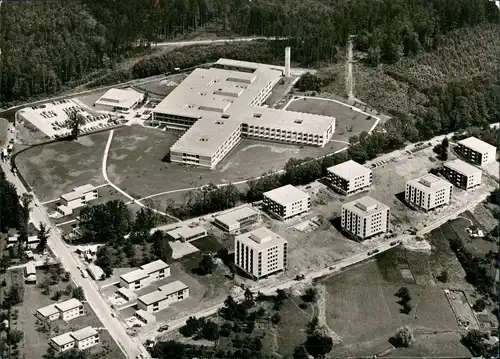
{"points": [[162, 298], [476, 151], [287, 202], [261, 252], [350, 177], [145, 275], [66, 310], [81, 339], [462, 174], [77, 198], [428, 192], [216, 107], [234, 220], [365, 217]]}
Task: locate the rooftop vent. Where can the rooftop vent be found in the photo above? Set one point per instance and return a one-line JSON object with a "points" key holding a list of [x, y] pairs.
{"points": [[219, 122], [203, 139], [297, 121], [225, 116]]}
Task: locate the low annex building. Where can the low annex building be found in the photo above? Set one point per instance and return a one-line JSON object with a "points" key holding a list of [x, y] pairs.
{"points": [[77, 198], [81, 339], [365, 217], [185, 233], [162, 298], [236, 219], [95, 272], [462, 174], [260, 252], [476, 151], [30, 273], [145, 275], [118, 99], [350, 177], [145, 317], [287, 202], [216, 107], [428, 192], [66, 310]]}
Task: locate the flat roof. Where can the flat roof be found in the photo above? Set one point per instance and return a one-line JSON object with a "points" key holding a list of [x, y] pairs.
{"points": [[185, 232], [120, 97], [77, 192], [223, 99], [146, 315], [173, 287], [68, 304], [349, 170], [154, 266], [84, 333], [48, 310], [429, 183], [261, 239], [134, 275], [234, 216], [365, 206], [153, 297], [128, 293], [30, 268], [95, 270], [477, 145], [286, 194], [462, 167], [63, 339]]}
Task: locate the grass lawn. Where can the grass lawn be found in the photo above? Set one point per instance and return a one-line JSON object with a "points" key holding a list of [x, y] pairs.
{"points": [[90, 98], [57, 168], [443, 345], [291, 329], [345, 117], [134, 162], [207, 244]]}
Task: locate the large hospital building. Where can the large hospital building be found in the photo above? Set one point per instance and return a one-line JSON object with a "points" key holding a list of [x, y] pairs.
{"points": [[216, 107]]}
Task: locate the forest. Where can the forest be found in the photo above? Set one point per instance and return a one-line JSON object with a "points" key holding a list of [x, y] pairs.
{"points": [[51, 46]]}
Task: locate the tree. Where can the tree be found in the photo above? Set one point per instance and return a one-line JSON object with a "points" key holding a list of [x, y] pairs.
{"points": [[310, 295], [404, 336], [479, 305], [226, 329], [318, 344], [474, 341], [75, 120], [14, 336], [312, 325], [43, 236], [210, 331], [249, 299], [192, 327], [276, 318], [300, 352], [78, 293], [404, 294], [443, 276], [206, 265]]}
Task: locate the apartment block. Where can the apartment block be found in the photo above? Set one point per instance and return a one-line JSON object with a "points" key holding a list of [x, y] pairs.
{"points": [[163, 297], [365, 217], [77, 198], [287, 202], [81, 339], [350, 177], [145, 275], [428, 192], [66, 310], [462, 174], [234, 220], [476, 151], [260, 252]]}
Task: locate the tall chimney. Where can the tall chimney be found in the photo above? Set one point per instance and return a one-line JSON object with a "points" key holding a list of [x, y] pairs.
{"points": [[287, 61]]}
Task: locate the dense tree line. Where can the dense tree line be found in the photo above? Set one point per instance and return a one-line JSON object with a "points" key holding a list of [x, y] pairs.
{"points": [[10, 206], [47, 46]]}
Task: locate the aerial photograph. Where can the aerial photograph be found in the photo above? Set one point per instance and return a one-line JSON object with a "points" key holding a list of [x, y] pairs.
{"points": [[249, 179]]}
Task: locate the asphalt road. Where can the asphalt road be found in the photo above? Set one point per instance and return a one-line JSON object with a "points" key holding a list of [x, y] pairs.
{"points": [[130, 347]]}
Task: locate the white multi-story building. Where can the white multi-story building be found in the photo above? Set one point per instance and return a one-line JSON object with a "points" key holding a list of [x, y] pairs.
{"points": [[236, 219], [81, 339], [260, 252], [77, 198], [476, 151], [217, 107], [462, 174], [428, 192], [145, 275], [66, 310], [365, 217], [287, 202], [350, 177], [163, 297]]}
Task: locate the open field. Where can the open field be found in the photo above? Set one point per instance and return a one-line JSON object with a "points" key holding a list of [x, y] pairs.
{"points": [[134, 162], [291, 329], [483, 213], [90, 98], [345, 117], [36, 340], [362, 309], [63, 165], [162, 87]]}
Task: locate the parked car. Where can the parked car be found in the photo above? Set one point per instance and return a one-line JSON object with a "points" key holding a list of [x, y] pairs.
{"points": [[163, 328]]}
